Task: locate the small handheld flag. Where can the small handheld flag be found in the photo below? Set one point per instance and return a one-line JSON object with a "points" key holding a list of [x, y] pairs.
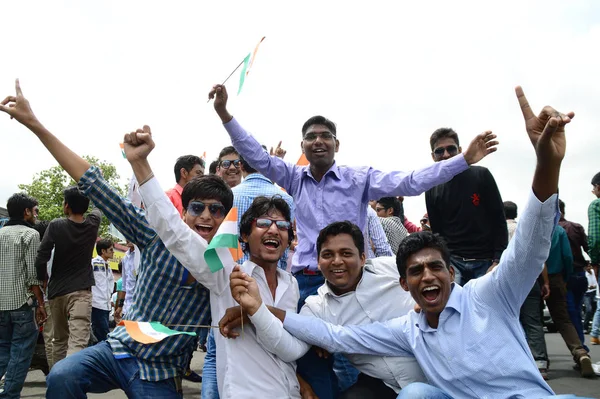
{"points": [[248, 61], [224, 248], [150, 333], [122, 149]]}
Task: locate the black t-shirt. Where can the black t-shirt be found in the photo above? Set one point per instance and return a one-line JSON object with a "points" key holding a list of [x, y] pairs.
{"points": [[468, 213], [73, 244]]}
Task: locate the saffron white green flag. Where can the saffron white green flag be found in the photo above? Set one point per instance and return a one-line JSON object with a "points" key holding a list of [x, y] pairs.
{"points": [[224, 248]]}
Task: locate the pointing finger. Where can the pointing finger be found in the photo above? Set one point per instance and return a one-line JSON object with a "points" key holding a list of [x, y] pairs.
{"points": [[525, 108], [18, 88]]}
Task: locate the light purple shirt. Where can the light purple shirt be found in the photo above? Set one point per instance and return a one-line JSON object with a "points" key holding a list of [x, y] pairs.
{"points": [[342, 194]]}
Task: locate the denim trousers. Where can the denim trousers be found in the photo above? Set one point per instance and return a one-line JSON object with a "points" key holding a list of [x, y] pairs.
{"points": [[589, 300], [96, 370], [100, 324], [596, 323], [533, 325], [210, 388], [18, 336], [468, 269], [576, 288]]}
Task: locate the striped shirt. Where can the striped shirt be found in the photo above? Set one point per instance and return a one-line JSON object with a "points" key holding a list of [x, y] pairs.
{"points": [[375, 240], [594, 232], [18, 249], [394, 231], [244, 194], [161, 294]]}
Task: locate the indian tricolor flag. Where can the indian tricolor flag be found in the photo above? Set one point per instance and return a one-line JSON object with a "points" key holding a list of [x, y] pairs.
{"points": [[302, 161], [248, 62], [150, 332], [224, 248]]}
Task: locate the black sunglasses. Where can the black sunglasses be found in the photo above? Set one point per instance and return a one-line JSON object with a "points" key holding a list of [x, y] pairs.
{"points": [[452, 150], [266, 223], [195, 208], [226, 164]]}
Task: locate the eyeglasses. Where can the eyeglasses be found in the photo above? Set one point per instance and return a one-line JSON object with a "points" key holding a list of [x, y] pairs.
{"points": [[379, 209], [266, 223], [452, 150], [226, 164], [325, 136], [195, 208]]}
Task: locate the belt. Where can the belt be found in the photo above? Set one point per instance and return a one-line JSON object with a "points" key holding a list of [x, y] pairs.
{"points": [[308, 272]]}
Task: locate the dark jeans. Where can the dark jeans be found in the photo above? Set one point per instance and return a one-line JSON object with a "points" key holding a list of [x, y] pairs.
{"points": [[557, 305], [576, 288], [533, 325], [100, 327], [96, 370], [18, 336], [367, 387], [210, 387], [468, 269], [589, 299]]}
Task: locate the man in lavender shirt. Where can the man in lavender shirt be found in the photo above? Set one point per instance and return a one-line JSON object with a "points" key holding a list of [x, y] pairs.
{"points": [[325, 192]]}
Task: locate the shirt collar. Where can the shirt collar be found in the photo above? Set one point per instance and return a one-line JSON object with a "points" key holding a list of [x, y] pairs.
{"points": [[326, 290], [453, 302], [282, 283], [256, 176], [178, 188], [334, 170]]}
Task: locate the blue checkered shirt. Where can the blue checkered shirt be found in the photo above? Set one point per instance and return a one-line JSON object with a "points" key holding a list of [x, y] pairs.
{"points": [[253, 186], [161, 293]]}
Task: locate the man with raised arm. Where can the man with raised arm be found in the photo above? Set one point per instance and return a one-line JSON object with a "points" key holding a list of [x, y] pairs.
{"points": [[167, 293], [468, 340]]}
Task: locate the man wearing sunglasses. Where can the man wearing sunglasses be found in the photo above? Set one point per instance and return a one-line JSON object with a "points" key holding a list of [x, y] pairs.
{"points": [[467, 212], [186, 168], [166, 293], [229, 166]]}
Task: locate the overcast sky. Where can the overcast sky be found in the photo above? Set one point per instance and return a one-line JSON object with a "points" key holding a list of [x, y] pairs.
{"points": [[388, 73]]}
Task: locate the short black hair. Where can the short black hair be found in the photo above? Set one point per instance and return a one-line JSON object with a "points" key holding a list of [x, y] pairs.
{"points": [[442, 133], [246, 166], [212, 168], [103, 244], [344, 227], [187, 162], [391, 202], [17, 203], [416, 242], [262, 206], [227, 151], [78, 202], [561, 207], [207, 187], [596, 179], [319, 120], [510, 210]]}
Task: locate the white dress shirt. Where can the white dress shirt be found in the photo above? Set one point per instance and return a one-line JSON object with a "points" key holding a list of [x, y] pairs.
{"points": [[131, 266], [104, 284], [479, 349], [244, 368], [378, 297]]}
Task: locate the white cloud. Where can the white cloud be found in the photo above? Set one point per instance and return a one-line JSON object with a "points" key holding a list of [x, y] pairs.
{"points": [[388, 73]]}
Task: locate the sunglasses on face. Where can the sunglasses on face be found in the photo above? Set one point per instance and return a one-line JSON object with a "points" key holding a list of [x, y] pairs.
{"points": [[226, 164], [379, 209], [266, 223], [195, 208], [452, 150], [325, 136]]}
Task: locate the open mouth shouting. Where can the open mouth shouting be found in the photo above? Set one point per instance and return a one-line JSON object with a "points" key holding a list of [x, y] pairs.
{"points": [[272, 244], [431, 294], [205, 230], [320, 151]]}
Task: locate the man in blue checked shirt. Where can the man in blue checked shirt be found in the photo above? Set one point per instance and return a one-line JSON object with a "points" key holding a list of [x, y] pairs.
{"points": [[167, 293], [467, 340]]}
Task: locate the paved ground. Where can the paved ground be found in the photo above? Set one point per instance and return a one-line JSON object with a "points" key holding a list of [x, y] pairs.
{"points": [[563, 379]]}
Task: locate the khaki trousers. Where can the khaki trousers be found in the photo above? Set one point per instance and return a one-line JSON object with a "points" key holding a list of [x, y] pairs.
{"points": [[48, 335], [71, 323]]}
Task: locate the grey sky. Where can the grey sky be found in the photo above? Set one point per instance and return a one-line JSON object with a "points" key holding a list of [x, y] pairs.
{"points": [[388, 73]]}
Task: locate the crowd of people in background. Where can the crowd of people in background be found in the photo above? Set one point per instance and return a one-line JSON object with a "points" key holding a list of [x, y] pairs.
{"points": [[346, 297]]}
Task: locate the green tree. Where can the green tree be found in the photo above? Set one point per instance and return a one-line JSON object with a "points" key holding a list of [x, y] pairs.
{"points": [[48, 185]]}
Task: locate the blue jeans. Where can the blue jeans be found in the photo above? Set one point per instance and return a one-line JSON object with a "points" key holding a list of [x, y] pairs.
{"points": [[420, 390], [100, 324], [210, 388], [465, 270], [577, 286], [589, 300], [596, 323], [96, 370], [18, 336]]}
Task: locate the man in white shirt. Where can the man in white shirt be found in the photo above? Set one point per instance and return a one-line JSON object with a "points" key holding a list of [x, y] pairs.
{"points": [[355, 292], [131, 265], [244, 368], [103, 289]]}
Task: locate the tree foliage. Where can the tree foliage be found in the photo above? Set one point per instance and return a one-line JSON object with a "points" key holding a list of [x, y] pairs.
{"points": [[48, 186]]}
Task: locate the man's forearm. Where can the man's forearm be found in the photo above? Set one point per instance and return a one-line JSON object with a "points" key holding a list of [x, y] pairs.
{"points": [[72, 163], [142, 170], [224, 115], [545, 180], [38, 294]]}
